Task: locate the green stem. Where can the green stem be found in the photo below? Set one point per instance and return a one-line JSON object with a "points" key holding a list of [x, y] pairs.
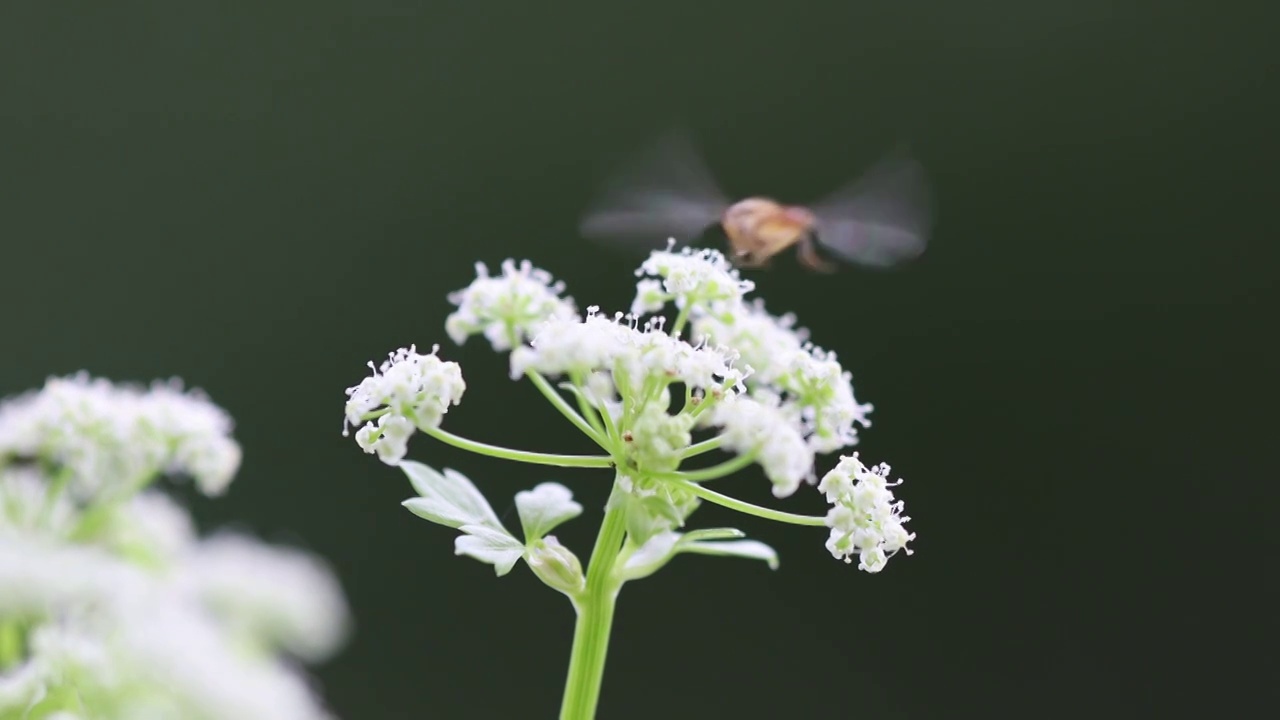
{"points": [[681, 319], [714, 472], [748, 508], [585, 407], [11, 643], [535, 458], [53, 494], [595, 619], [565, 409], [702, 447]]}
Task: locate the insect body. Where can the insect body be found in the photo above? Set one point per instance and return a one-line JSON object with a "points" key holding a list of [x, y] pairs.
{"points": [[881, 219]]}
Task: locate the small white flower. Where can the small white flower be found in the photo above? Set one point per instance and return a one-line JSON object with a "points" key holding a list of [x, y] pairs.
{"points": [[562, 346], [597, 343], [273, 595], [388, 437], [865, 519], [507, 309], [650, 297], [411, 390], [691, 276], [760, 424]]}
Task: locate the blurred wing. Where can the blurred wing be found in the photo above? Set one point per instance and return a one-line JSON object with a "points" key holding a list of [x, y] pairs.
{"points": [[666, 191], [882, 219]]}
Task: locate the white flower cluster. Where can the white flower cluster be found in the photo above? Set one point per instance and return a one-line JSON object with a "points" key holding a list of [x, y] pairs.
{"points": [[408, 391], [112, 607], [630, 352], [772, 395], [99, 432], [507, 309], [785, 363], [689, 277], [865, 519]]}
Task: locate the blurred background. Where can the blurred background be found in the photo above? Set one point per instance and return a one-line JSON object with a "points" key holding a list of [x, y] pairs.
{"points": [[262, 198]]}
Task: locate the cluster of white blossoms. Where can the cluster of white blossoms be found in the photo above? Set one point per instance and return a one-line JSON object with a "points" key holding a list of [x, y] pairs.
{"points": [[506, 309], [99, 432], [864, 518], [111, 604], [753, 380], [407, 392]]}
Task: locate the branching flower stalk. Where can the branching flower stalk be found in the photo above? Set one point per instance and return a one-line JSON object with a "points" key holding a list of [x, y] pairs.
{"points": [[640, 390]]}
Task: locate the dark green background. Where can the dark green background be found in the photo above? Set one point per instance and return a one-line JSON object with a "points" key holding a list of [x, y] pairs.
{"points": [[262, 197]]}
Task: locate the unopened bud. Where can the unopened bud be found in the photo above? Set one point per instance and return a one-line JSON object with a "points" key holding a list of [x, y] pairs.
{"points": [[556, 565]]}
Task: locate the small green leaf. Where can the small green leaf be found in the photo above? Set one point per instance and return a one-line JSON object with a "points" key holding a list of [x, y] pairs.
{"points": [[545, 507], [447, 498], [714, 534], [651, 556], [751, 549], [498, 548]]}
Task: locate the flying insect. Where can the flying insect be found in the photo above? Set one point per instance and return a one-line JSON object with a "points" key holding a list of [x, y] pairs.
{"points": [[878, 220]]}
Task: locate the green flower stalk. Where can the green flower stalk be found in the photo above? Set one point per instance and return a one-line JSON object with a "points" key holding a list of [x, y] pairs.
{"points": [[641, 392]]}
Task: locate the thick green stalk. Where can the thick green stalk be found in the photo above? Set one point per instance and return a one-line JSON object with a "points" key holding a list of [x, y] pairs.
{"points": [[595, 620], [11, 642]]}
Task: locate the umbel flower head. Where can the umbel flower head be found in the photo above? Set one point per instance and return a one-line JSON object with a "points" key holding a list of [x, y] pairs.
{"points": [[654, 394], [106, 436], [111, 605]]}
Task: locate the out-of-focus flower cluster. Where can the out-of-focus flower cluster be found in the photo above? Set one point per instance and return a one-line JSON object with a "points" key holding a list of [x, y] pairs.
{"points": [[644, 383], [111, 605]]}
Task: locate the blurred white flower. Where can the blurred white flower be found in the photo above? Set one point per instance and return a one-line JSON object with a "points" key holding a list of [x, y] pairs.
{"points": [[40, 576], [175, 647], [273, 596], [760, 424], [112, 437], [865, 519], [25, 503], [119, 634], [764, 342], [785, 363], [151, 528], [692, 276], [508, 308]]}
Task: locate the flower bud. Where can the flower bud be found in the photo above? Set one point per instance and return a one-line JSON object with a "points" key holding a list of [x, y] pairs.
{"points": [[556, 565]]}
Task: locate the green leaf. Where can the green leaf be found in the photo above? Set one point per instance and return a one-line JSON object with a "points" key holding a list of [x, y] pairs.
{"points": [[714, 534], [751, 549], [651, 556], [545, 507], [447, 498], [662, 547], [498, 548]]}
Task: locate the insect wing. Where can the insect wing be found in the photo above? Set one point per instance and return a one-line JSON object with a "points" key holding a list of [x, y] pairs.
{"points": [[666, 191], [881, 219]]}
